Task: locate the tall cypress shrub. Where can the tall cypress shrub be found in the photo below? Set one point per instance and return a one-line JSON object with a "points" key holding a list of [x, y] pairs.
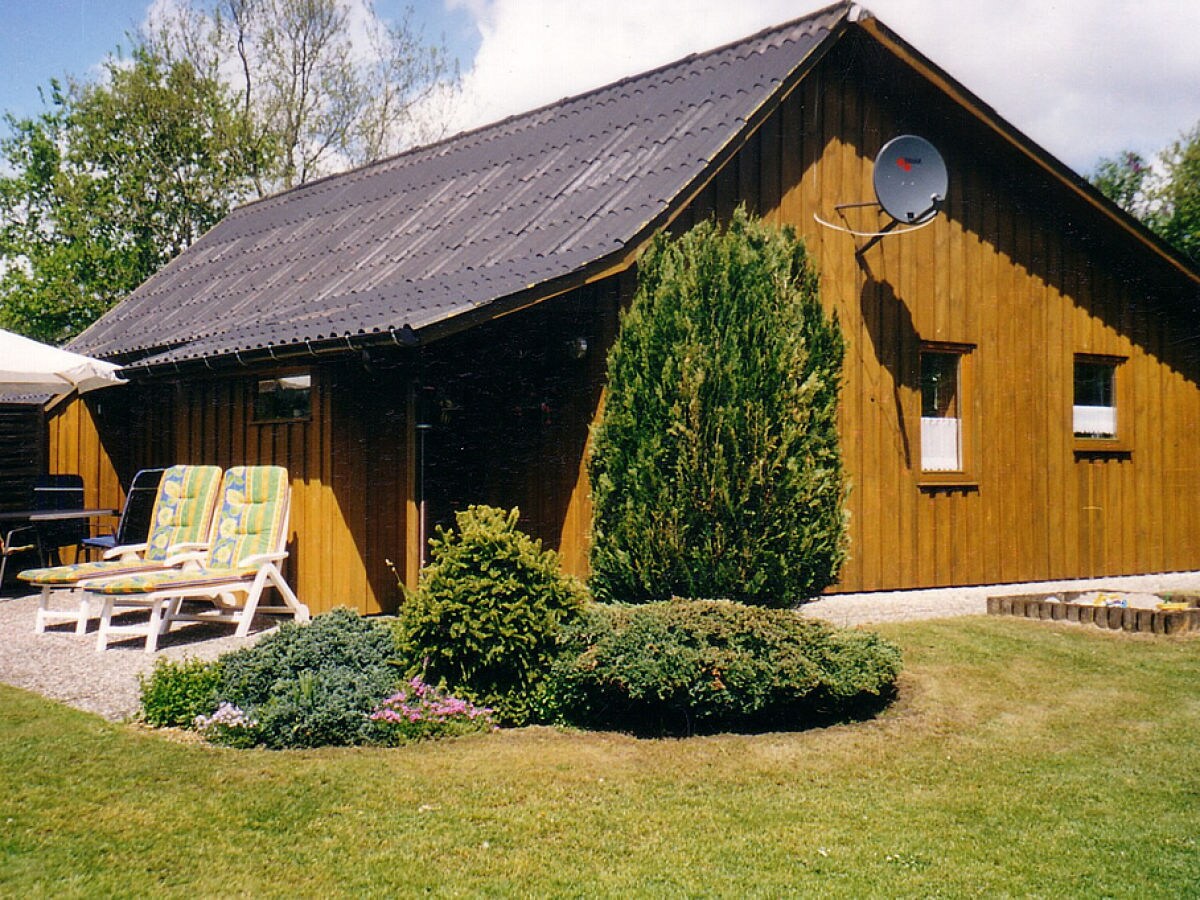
{"points": [[715, 468]]}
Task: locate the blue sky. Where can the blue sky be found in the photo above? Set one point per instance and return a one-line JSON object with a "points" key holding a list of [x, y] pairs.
{"points": [[44, 39], [1083, 78]]}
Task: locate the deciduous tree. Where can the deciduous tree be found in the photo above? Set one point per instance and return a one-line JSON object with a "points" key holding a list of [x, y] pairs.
{"points": [[108, 184], [328, 82], [1165, 196]]}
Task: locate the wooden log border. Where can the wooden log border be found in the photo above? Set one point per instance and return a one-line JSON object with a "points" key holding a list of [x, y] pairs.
{"points": [[1062, 607]]}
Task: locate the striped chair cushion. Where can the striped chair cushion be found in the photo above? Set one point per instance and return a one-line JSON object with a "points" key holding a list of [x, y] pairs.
{"points": [[163, 579], [184, 508], [249, 522], [66, 575], [250, 519]]}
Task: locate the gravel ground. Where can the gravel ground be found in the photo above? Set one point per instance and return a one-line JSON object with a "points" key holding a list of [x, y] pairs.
{"points": [[936, 603], [65, 667]]}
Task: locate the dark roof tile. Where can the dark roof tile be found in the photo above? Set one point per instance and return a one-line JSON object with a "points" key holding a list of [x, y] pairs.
{"points": [[443, 230]]}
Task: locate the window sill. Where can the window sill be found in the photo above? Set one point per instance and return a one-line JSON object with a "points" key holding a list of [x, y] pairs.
{"points": [[947, 481], [1102, 447]]}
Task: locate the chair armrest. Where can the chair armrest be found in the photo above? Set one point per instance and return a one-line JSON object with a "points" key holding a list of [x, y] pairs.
{"points": [[6, 544], [187, 546], [178, 559], [125, 551], [259, 558]]}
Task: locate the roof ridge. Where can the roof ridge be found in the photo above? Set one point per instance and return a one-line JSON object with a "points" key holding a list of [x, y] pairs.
{"points": [[853, 12]]}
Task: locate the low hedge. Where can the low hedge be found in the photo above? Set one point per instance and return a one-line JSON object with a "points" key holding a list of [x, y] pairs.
{"points": [[699, 665]]}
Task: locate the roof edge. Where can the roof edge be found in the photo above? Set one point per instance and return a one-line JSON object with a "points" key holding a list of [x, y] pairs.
{"points": [[1026, 146]]}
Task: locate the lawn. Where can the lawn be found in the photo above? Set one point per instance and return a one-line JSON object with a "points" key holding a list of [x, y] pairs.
{"points": [[1022, 758]]}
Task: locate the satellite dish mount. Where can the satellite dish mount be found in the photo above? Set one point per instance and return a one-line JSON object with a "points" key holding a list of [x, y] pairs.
{"points": [[910, 183]]}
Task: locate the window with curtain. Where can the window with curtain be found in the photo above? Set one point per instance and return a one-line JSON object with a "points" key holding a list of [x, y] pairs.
{"points": [[1094, 411], [941, 411]]}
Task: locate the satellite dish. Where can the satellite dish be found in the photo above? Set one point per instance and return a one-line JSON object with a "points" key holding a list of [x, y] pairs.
{"points": [[910, 179]]}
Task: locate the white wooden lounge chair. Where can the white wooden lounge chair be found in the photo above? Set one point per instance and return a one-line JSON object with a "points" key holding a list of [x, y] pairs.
{"points": [[249, 540], [179, 523]]}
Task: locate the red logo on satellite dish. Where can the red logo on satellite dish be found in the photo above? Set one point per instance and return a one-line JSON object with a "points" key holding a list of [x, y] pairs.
{"points": [[907, 162]]}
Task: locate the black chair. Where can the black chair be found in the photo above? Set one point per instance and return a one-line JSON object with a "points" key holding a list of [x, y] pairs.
{"points": [[134, 525], [50, 493]]}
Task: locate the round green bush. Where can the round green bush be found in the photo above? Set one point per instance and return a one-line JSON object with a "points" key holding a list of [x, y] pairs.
{"points": [[314, 684], [687, 665], [485, 616]]}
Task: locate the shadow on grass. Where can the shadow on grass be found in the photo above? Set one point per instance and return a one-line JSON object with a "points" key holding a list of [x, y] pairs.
{"points": [[674, 721]]}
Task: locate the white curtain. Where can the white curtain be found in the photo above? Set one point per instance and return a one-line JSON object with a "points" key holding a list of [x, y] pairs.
{"points": [[941, 446], [1095, 421]]}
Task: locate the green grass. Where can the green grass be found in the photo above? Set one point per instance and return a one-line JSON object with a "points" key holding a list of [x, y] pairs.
{"points": [[1022, 758]]}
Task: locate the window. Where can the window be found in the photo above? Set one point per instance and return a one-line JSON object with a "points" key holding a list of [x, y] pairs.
{"points": [[1094, 412], [285, 398], [943, 435]]}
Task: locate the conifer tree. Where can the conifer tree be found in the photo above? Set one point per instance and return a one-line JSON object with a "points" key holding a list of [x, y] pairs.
{"points": [[716, 470]]}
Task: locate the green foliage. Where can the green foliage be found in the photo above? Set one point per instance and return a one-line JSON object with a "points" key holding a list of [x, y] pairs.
{"points": [[485, 616], [316, 684], [705, 664], [107, 185], [1179, 219], [1166, 197], [716, 469], [175, 693]]}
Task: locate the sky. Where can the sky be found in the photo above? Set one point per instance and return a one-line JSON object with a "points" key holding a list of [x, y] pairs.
{"points": [[1085, 79]]}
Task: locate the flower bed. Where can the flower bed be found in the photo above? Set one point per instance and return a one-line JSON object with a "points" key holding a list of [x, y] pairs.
{"points": [[1170, 614]]}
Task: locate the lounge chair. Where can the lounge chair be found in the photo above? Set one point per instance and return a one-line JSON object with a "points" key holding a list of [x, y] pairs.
{"points": [[180, 523], [249, 540]]}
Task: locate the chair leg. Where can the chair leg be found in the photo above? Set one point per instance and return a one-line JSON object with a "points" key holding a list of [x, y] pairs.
{"points": [[39, 620], [85, 609], [246, 618], [159, 623], [105, 624], [299, 610]]}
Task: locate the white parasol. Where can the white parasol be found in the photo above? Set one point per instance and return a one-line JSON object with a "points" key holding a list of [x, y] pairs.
{"points": [[27, 366]]}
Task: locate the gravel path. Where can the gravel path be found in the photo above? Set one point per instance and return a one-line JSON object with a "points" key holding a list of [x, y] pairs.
{"points": [[65, 667]]}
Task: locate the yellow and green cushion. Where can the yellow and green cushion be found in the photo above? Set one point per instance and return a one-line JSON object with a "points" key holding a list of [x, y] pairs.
{"points": [[73, 574], [250, 518], [163, 579], [184, 508], [182, 514], [249, 522]]}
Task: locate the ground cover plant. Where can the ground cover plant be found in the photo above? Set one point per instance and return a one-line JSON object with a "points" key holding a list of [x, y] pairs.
{"points": [[1022, 759], [704, 665], [307, 685], [715, 466]]}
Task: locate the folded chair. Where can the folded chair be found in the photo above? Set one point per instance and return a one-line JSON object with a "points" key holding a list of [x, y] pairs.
{"points": [[136, 515], [249, 540], [179, 523]]}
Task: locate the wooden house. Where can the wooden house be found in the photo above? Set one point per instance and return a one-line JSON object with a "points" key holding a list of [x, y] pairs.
{"points": [[430, 330]]}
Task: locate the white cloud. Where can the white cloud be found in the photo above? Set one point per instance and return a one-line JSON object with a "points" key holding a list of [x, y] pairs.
{"points": [[1083, 78]]}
